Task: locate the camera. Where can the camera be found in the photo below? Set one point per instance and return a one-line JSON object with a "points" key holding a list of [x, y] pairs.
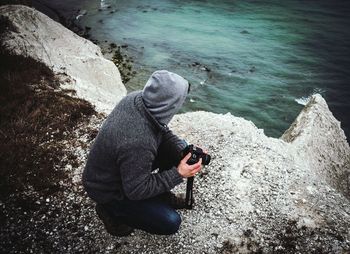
{"points": [[196, 154]]}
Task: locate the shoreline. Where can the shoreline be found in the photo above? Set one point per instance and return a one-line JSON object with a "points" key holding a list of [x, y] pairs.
{"points": [[129, 68], [111, 50]]}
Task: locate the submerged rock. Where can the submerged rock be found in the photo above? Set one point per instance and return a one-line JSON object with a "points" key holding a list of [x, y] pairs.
{"points": [[244, 32], [77, 62]]}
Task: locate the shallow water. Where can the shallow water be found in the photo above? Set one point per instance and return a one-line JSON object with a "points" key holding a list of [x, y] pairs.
{"points": [[264, 56]]}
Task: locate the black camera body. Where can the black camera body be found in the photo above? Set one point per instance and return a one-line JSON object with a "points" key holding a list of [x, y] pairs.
{"points": [[196, 154]]}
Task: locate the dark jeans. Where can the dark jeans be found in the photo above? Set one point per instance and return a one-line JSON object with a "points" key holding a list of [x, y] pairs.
{"points": [[151, 215]]}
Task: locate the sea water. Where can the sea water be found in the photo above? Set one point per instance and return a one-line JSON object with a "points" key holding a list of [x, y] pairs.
{"points": [[260, 60]]}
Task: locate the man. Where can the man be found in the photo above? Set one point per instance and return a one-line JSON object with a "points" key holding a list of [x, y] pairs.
{"points": [[133, 142]]}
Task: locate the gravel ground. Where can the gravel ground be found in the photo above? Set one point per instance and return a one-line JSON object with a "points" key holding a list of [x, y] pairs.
{"points": [[255, 197]]}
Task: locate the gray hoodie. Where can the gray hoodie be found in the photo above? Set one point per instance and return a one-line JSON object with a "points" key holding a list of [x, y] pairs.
{"points": [[121, 159], [164, 94]]}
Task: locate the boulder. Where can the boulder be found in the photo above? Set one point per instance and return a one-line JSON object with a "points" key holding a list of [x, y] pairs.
{"points": [[77, 63], [317, 137]]}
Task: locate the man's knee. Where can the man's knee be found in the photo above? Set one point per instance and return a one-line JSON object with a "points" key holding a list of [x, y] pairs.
{"points": [[173, 223]]}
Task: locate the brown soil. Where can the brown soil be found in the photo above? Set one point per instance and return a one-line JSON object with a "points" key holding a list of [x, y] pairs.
{"points": [[34, 119]]}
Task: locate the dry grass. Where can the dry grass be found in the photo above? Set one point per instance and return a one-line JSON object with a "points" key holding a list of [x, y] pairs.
{"points": [[34, 120]]}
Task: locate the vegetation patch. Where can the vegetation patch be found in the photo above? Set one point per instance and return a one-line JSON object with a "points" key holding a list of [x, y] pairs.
{"points": [[34, 120], [247, 244], [123, 62], [289, 238]]}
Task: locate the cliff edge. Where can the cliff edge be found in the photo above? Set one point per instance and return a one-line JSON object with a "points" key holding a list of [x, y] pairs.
{"points": [[77, 63], [258, 195], [319, 139]]}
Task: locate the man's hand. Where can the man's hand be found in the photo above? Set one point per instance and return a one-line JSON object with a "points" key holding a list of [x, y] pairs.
{"points": [[186, 170]]}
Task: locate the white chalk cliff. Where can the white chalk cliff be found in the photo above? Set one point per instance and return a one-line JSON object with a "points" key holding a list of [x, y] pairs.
{"points": [[75, 61], [258, 195], [289, 194], [319, 140]]}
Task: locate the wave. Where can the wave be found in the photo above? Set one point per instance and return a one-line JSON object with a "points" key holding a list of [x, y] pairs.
{"points": [[305, 99]]}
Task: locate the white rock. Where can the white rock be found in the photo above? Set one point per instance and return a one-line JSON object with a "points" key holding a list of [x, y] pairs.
{"points": [[318, 137], [75, 61], [313, 178]]}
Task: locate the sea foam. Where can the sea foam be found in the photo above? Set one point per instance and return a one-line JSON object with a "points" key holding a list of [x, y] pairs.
{"points": [[305, 99]]}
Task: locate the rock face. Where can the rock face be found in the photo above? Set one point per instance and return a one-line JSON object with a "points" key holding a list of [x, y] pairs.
{"points": [[317, 136], [75, 61], [265, 194]]}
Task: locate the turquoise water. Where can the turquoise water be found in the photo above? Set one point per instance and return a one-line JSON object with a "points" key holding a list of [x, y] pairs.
{"points": [[262, 55]]}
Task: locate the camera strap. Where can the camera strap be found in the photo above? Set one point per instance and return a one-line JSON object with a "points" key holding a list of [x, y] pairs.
{"points": [[189, 193]]}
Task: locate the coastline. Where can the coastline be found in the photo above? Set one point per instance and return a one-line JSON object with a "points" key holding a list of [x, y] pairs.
{"points": [[270, 118], [111, 50]]}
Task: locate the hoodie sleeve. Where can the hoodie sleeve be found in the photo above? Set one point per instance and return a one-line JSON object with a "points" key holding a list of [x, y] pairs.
{"points": [[172, 144], [138, 182]]}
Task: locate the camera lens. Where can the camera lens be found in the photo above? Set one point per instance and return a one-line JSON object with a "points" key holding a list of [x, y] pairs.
{"points": [[206, 159]]}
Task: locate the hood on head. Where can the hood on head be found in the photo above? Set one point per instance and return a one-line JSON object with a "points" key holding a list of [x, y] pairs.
{"points": [[164, 94]]}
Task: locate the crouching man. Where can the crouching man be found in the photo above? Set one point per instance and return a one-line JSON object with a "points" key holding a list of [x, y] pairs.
{"points": [[132, 143]]}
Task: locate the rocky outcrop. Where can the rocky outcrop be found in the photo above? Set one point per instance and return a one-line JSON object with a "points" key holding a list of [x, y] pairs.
{"points": [[318, 138], [265, 194], [75, 61]]}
